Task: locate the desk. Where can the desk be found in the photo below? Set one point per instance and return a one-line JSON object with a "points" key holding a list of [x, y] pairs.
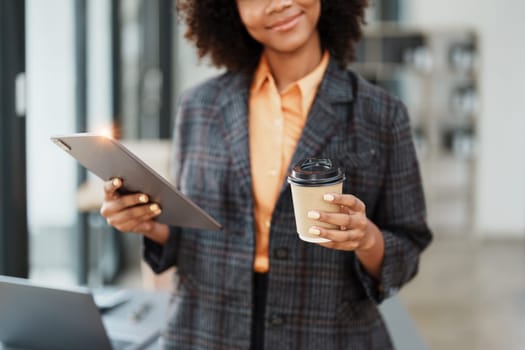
{"points": [[121, 319], [403, 331], [144, 311]]}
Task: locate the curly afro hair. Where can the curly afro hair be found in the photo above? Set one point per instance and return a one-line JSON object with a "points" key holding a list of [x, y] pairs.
{"points": [[215, 27]]}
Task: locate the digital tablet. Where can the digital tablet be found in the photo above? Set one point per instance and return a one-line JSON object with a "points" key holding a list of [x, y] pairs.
{"points": [[107, 158]]}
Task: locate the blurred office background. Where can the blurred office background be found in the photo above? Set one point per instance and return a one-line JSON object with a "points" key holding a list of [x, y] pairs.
{"points": [[118, 65]]}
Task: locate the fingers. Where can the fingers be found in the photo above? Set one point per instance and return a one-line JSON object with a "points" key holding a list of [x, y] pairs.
{"points": [[346, 220], [135, 219], [351, 223], [337, 236], [111, 187], [128, 213], [111, 207], [115, 205], [351, 202], [346, 246]]}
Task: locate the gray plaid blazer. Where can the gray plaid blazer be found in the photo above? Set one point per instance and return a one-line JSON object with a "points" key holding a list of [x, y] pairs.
{"points": [[317, 298]]}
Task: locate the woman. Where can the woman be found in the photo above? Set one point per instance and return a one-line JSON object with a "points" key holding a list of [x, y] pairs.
{"points": [[286, 96]]}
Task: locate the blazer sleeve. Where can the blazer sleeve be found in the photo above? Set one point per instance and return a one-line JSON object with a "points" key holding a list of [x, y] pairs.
{"points": [[400, 214], [162, 257]]}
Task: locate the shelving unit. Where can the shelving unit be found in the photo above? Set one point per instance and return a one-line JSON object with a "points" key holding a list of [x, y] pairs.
{"points": [[435, 74]]}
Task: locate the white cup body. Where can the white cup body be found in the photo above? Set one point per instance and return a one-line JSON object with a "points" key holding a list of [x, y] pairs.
{"points": [[306, 198]]}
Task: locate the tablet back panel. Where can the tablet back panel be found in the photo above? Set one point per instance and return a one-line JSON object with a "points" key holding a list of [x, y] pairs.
{"points": [[107, 158]]}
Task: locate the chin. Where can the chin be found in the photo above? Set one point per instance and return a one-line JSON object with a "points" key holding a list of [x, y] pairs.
{"points": [[288, 45]]}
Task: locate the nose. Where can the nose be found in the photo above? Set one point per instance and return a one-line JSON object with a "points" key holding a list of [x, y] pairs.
{"points": [[278, 5]]}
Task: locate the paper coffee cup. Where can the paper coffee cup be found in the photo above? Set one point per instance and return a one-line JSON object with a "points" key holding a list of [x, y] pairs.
{"points": [[310, 180]]}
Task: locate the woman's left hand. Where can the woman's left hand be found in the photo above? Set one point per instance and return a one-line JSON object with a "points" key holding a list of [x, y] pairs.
{"points": [[354, 232]]}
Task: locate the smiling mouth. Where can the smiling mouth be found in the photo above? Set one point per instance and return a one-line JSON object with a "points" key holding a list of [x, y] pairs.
{"points": [[285, 24]]}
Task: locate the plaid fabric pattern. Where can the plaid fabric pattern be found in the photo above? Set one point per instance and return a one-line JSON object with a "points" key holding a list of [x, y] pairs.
{"points": [[317, 298]]}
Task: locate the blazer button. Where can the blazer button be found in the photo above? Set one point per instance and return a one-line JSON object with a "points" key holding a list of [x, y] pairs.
{"points": [[281, 253], [277, 320]]}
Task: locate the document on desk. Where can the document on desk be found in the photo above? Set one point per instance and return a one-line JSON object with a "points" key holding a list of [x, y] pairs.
{"points": [[107, 158], [109, 298], [143, 313]]}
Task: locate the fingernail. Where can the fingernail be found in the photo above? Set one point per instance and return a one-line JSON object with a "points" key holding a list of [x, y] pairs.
{"points": [[329, 197], [314, 231], [116, 182], [314, 214], [154, 207], [143, 198]]}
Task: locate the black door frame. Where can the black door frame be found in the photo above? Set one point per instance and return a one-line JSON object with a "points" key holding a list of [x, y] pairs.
{"points": [[82, 241], [166, 57], [14, 232]]}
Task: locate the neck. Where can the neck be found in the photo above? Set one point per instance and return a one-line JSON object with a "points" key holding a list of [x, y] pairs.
{"points": [[289, 67]]}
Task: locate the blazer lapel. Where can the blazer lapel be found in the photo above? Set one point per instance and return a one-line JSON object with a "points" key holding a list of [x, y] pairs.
{"points": [[325, 116], [235, 116], [323, 120]]}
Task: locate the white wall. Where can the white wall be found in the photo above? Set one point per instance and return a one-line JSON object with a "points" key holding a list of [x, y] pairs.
{"points": [[99, 65], [51, 111], [500, 181], [51, 102], [188, 69]]}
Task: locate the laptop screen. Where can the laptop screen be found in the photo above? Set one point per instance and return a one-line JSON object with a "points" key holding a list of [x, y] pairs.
{"points": [[39, 317]]}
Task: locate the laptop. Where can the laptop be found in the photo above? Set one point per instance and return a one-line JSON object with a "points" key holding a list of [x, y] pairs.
{"points": [[34, 316]]}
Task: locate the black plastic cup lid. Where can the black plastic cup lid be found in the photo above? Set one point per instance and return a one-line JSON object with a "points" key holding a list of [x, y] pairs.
{"points": [[315, 172]]}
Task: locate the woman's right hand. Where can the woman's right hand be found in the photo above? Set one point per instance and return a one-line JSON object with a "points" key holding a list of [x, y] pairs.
{"points": [[132, 212]]}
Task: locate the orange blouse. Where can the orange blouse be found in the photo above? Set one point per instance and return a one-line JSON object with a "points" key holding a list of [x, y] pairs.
{"points": [[276, 122]]}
